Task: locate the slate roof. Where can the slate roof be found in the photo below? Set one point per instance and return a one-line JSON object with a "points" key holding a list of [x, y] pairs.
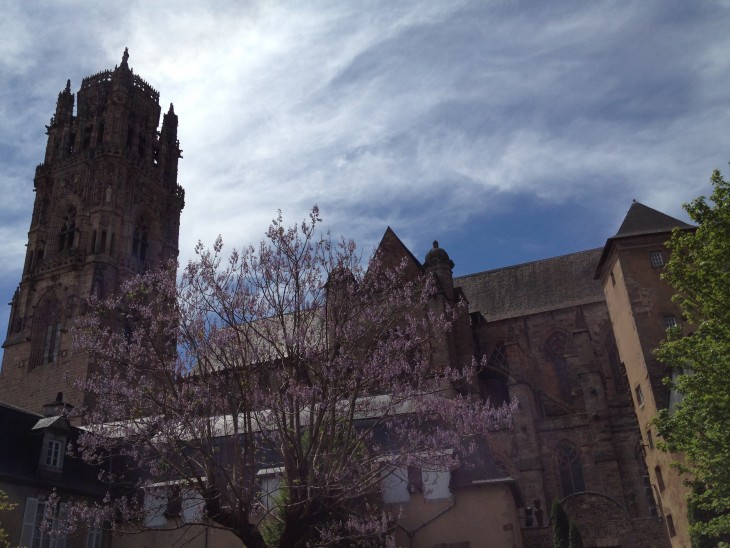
{"points": [[531, 288], [640, 220]]}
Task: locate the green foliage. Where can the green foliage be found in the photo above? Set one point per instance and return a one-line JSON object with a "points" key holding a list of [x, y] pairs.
{"points": [[561, 526], [273, 526], [699, 270], [575, 540], [5, 505]]}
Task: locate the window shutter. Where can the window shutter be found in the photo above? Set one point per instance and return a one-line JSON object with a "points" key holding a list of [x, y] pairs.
{"points": [[26, 536]]}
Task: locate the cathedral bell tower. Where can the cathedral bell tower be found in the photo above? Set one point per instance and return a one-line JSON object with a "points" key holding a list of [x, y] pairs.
{"points": [[107, 206]]}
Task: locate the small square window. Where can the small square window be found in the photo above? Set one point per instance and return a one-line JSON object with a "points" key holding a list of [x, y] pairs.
{"points": [[670, 321], [639, 396], [656, 259]]}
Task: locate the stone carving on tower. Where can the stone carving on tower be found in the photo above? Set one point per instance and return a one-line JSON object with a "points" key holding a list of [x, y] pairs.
{"points": [[107, 206]]}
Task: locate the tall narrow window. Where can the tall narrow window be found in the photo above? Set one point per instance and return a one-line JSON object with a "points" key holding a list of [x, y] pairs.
{"points": [[102, 243], [670, 525], [498, 357], [555, 349], [639, 396], [33, 534], [659, 478], [569, 468], [52, 342], [46, 333], [53, 453], [140, 240], [675, 396]]}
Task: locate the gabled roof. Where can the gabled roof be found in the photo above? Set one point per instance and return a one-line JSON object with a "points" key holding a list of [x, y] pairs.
{"points": [[641, 220], [391, 250], [531, 288], [53, 423]]}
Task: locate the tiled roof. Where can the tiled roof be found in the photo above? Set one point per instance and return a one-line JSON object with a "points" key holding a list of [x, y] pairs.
{"points": [[530, 288]]}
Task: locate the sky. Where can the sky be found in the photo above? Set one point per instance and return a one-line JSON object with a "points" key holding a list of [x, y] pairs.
{"points": [[510, 131]]}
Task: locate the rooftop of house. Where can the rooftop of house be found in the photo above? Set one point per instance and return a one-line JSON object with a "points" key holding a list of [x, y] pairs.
{"points": [[21, 448]]}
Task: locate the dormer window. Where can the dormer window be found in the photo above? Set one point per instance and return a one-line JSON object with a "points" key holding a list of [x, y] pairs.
{"points": [[53, 452], [55, 431]]}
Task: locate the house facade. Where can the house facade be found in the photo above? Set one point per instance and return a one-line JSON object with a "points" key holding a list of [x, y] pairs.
{"points": [[34, 465]]}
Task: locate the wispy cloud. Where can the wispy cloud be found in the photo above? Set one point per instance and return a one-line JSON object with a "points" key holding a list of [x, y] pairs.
{"points": [[425, 116]]}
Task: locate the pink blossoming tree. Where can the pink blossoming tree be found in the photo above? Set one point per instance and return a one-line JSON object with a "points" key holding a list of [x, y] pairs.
{"points": [[270, 391]]}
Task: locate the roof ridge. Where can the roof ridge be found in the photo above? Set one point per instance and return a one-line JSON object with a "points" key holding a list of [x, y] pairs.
{"points": [[518, 265]]}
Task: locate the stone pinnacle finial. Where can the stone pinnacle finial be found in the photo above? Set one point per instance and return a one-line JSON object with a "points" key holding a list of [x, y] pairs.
{"points": [[68, 86], [172, 109], [435, 244], [125, 57]]}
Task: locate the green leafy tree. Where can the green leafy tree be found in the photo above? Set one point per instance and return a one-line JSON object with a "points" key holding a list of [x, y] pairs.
{"points": [[575, 540], [5, 505], [696, 425], [561, 526]]}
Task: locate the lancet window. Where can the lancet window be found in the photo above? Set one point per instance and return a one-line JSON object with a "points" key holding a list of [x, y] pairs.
{"points": [[140, 240]]}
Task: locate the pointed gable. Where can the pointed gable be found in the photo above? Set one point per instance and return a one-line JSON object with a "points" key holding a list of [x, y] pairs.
{"points": [[391, 250], [640, 220]]}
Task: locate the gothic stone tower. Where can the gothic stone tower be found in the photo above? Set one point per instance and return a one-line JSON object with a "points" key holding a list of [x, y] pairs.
{"points": [[107, 206]]}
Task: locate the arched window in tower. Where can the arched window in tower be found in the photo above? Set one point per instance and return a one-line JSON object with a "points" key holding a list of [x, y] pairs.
{"points": [[498, 357], [492, 377], [140, 240], [67, 233], [555, 349], [46, 333], [570, 470]]}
